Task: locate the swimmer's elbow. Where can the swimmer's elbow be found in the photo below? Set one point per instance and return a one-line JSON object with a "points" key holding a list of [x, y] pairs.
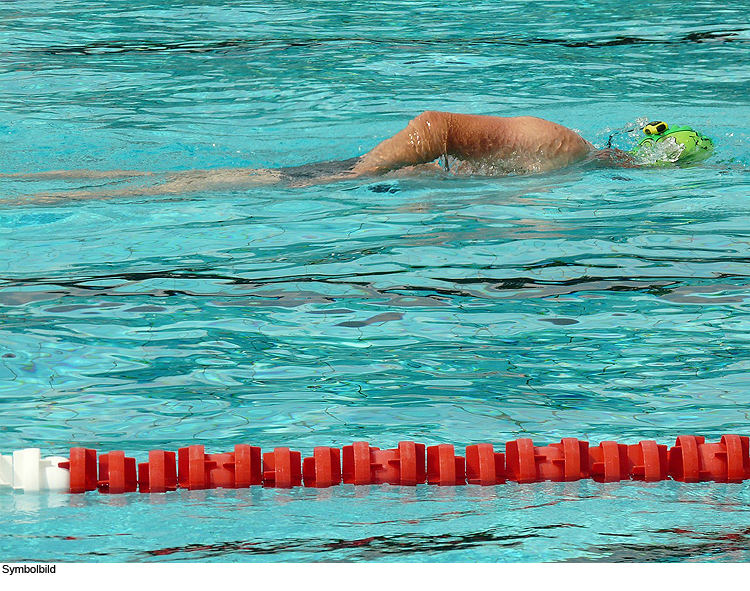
{"points": [[423, 140], [433, 121], [427, 115], [431, 130]]}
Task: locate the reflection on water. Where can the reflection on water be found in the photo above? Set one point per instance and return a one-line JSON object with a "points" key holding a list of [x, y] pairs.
{"points": [[592, 302], [292, 324], [575, 521]]}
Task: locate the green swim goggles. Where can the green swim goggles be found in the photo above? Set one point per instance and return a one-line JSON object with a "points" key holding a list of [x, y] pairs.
{"points": [[671, 145]]}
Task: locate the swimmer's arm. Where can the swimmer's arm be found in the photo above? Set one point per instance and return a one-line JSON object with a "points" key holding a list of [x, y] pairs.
{"points": [[423, 140], [614, 157], [474, 137]]}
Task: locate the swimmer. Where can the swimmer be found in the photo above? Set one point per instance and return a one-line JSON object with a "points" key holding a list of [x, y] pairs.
{"points": [[475, 143], [521, 145]]}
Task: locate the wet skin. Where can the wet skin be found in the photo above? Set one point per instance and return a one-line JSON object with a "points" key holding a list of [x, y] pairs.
{"points": [[507, 145]]}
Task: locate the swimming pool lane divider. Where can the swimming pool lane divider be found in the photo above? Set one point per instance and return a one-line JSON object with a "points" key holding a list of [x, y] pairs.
{"points": [[691, 459]]}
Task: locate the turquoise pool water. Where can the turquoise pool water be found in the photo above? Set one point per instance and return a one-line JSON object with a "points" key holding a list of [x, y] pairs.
{"points": [[599, 304]]}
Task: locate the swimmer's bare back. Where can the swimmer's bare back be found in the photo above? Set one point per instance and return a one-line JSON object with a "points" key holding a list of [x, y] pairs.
{"points": [[518, 145]]}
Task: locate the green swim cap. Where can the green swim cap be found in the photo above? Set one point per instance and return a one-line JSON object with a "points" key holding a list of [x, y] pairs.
{"points": [[679, 144]]}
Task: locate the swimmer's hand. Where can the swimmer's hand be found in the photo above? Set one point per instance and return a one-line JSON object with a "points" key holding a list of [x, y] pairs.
{"points": [[613, 157]]}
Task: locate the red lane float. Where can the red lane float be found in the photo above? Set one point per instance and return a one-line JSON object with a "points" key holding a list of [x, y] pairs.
{"points": [[647, 461], [82, 466], [282, 468], [117, 473], [198, 470], [323, 469], [484, 466], [613, 462], [404, 466], [691, 459], [608, 462], [159, 474], [566, 461], [355, 464], [444, 468]]}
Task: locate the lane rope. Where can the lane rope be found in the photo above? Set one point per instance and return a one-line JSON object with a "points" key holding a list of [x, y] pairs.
{"points": [[690, 459]]}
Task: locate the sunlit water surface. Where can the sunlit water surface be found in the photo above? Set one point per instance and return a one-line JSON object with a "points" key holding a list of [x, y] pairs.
{"points": [[590, 303]]}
